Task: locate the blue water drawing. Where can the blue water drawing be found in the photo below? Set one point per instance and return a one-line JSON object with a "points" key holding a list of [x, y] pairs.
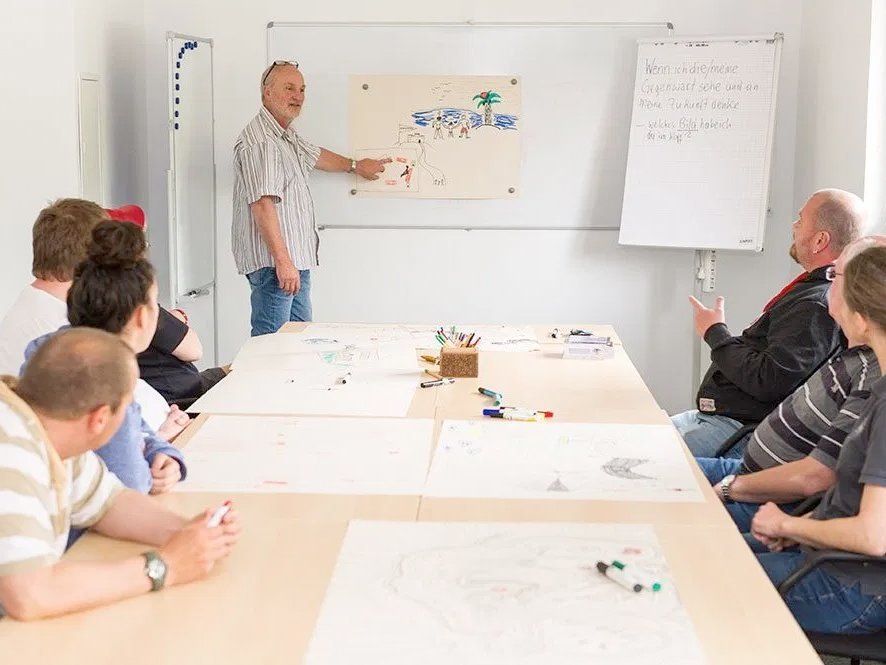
{"points": [[452, 116]]}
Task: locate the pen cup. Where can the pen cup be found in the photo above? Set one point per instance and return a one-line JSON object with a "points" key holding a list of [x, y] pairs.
{"points": [[459, 362]]}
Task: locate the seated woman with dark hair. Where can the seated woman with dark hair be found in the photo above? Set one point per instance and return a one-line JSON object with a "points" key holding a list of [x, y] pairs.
{"points": [[845, 597], [115, 289]]}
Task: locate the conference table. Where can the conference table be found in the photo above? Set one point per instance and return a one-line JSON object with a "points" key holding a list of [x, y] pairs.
{"points": [[260, 605]]}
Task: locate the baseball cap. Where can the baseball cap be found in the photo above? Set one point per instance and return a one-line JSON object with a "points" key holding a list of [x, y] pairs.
{"points": [[128, 213]]}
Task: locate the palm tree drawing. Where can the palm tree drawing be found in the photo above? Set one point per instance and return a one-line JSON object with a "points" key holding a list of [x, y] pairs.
{"points": [[486, 100]]}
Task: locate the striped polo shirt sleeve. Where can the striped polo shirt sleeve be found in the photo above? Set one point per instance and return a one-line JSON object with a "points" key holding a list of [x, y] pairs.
{"points": [[261, 168], [93, 490], [308, 153], [28, 538], [862, 369]]}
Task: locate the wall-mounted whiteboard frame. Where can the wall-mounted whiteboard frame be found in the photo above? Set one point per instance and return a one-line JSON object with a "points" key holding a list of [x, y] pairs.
{"points": [[721, 199], [577, 209], [193, 257]]}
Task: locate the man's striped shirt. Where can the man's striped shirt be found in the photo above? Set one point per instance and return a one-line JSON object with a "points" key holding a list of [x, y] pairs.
{"points": [[276, 162], [41, 496], [815, 419]]}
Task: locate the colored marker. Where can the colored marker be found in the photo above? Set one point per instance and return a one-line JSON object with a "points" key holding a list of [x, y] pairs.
{"points": [[437, 382], [526, 416], [619, 577], [639, 575], [345, 378], [516, 409], [489, 393], [219, 513]]}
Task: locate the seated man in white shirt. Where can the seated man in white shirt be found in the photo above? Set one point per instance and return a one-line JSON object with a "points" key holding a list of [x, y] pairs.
{"points": [[61, 234], [70, 399]]}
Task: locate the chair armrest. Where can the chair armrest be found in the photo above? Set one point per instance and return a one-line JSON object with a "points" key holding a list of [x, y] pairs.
{"points": [[820, 557], [737, 436], [807, 504]]}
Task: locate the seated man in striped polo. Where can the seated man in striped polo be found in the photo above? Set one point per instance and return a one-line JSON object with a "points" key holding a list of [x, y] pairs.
{"points": [[70, 399], [793, 452]]}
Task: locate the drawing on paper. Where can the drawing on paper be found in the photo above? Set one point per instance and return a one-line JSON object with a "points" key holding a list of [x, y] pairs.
{"points": [[452, 138], [498, 459], [309, 455], [498, 593], [621, 467]]}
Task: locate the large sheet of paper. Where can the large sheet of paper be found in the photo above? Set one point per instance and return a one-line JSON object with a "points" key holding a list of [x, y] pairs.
{"points": [[373, 390], [498, 594], [550, 460], [309, 455], [350, 341], [446, 136]]}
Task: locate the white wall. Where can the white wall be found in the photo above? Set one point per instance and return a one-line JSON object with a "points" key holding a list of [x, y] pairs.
{"points": [[833, 98], [875, 163], [495, 276], [109, 41], [39, 117]]}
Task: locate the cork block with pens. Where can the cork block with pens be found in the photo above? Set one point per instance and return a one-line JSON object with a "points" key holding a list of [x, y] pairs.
{"points": [[459, 361], [458, 353]]}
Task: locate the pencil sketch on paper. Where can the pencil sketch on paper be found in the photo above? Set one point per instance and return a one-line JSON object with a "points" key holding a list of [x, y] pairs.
{"points": [[621, 467], [457, 137], [500, 459], [515, 594]]}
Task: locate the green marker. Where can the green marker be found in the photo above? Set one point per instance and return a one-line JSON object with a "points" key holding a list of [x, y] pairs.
{"points": [[638, 575]]}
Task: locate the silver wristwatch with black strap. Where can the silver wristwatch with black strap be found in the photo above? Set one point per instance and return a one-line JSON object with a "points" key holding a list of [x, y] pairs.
{"points": [[155, 569], [353, 168], [725, 486]]}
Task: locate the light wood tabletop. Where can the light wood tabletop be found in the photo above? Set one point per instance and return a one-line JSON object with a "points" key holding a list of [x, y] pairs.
{"points": [[260, 605]]}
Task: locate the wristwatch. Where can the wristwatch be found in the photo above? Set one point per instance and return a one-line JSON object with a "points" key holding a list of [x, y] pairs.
{"points": [[353, 166], [155, 569], [724, 486]]}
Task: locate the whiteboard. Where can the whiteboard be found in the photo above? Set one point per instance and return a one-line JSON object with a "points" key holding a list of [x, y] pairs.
{"points": [[192, 164], [576, 97], [701, 140]]}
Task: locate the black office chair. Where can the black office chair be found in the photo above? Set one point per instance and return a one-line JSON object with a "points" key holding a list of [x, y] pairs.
{"points": [[854, 647], [736, 438]]}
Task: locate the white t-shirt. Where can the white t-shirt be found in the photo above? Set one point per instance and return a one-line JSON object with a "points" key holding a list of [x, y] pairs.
{"points": [[34, 313], [154, 407]]}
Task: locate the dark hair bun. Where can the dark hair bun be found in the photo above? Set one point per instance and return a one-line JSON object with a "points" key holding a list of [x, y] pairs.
{"points": [[116, 245]]}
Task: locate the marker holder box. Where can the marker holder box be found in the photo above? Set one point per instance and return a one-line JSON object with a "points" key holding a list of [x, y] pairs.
{"points": [[459, 362]]}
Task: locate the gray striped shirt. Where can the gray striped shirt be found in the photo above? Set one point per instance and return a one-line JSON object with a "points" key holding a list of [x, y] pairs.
{"points": [[818, 416], [272, 161]]}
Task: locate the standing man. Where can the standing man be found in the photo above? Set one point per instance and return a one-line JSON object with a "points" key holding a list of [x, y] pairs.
{"points": [[752, 372], [274, 233]]}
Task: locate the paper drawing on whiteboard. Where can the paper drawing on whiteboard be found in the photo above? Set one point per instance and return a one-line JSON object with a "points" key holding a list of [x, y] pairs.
{"points": [[440, 593], [458, 137]]}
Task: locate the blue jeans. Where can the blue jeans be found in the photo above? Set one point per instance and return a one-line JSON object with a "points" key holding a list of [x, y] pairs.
{"points": [[716, 469], [705, 433], [272, 306], [822, 603]]}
